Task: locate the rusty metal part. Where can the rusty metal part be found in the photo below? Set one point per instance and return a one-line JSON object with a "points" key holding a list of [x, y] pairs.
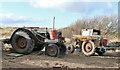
{"points": [[52, 50], [7, 50], [33, 32], [21, 42], [85, 38]]}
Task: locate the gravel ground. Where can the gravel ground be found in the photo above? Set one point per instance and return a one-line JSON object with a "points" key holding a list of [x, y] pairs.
{"points": [[76, 60]]}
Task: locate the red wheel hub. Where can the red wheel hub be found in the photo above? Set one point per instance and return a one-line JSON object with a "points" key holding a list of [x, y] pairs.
{"points": [[52, 50], [21, 42]]}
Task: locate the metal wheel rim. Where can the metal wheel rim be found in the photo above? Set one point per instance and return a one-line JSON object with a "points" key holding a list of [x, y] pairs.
{"points": [[88, 47], [52, 50], [21, 42]]}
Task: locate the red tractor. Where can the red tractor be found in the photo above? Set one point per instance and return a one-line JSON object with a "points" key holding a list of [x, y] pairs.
{"points": [[25, 40]]}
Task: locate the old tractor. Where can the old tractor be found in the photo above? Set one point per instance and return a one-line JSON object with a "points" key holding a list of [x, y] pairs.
{"points": [[90, 42], [24, 41]]}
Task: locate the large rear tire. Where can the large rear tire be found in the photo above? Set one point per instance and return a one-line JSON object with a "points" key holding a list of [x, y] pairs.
{"points": [[88, 48], [52, 50], [22, 42]]}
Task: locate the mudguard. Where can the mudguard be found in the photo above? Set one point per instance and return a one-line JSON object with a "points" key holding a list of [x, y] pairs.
{"points": [[26, 30]]}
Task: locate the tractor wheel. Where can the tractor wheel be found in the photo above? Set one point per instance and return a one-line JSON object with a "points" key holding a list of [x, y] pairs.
{"points": [[88, 48], [70, 48], [22, 42], [52, 50]]}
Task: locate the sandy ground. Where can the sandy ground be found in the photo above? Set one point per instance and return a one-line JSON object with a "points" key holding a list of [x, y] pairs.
{"points": [[76, 60]]}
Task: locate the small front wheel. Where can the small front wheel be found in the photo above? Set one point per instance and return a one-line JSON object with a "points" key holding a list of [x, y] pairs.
{"points": [[52, 50], [70, 48]]}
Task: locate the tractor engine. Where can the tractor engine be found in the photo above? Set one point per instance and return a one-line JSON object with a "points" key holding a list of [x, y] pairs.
{"points": [[53, 34]]}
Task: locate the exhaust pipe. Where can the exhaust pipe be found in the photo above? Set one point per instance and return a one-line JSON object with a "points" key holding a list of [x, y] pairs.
{"points": [[53, 22]]}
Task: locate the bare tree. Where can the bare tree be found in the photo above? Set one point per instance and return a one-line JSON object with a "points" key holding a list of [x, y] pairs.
{"points": [[107, 24]]}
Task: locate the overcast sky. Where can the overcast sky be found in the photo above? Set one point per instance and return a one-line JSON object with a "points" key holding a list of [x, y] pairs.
{"points": [[40, 12]]}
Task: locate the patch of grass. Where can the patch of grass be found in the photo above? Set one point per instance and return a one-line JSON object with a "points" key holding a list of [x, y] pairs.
{"points": [[6, 32]]}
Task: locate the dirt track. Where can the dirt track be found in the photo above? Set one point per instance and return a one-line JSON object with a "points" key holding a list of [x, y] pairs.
{"points": [[37, 60]]}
